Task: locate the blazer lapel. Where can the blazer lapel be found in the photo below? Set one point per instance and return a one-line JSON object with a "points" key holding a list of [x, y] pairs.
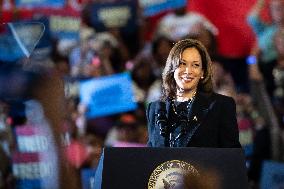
{"points": [[168, 106], [201, 106]]}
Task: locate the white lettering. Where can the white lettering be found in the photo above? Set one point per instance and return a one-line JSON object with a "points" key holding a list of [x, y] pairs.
{"points": [[32, 170], [64, 23], [30, 1], [33, 143], [148, 3], [114, 17]]}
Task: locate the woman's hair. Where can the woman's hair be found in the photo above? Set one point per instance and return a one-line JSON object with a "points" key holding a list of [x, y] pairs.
{"points": [[173, 61]]}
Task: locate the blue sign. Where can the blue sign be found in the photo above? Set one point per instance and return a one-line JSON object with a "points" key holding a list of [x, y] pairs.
{"points": [[9, 49], [153, 7], [40, 3], [19, 39], [107, 95], [44, 46], [28, 183], [88, 178], [272, 175], [118, 14], [64, 27]]}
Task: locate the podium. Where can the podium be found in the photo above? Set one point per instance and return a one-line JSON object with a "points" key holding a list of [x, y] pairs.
{"points": [[142, 168]]}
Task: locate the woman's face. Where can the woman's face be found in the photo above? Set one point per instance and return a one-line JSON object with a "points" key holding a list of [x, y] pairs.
{"points": [[189, 71]]}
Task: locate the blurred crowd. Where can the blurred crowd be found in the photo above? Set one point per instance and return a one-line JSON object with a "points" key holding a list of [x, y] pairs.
{"points": [[259, 97]]}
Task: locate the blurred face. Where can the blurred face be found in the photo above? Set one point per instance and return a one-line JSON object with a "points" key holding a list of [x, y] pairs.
{"points": [[279, 42], [163, 51], [189, 72], [276, 9], [218, 71]]}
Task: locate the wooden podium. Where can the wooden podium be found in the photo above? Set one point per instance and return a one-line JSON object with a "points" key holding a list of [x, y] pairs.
{"points": [[140, 168]]}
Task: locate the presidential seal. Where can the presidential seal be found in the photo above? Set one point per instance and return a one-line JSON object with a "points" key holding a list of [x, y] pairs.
{"points": [[169, 175]]}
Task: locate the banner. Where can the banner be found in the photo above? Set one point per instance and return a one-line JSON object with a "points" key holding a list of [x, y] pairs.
{"points": [[9, 50], [64, 26], [118, 14], [33, 163], [153, 7], [18, 39], [246, 135], [272, 175], [107, 95], [62, 23], [40, 3]]}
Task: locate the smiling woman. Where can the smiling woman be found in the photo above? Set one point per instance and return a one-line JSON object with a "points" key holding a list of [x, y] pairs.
{"points": [[190, 113], [188, 74]]}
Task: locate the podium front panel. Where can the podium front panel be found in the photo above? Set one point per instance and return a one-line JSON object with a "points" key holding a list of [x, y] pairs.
{"points": [[132, 167]]}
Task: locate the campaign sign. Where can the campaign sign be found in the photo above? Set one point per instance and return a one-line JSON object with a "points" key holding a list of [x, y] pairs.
{"points": [[45, 40], [29, 171], [64, 26], [40, 3], [153, 7], [272, 175], [33, 161], [118, 14], [107, 95], [19, 39], [246, 136], [9, 50]]}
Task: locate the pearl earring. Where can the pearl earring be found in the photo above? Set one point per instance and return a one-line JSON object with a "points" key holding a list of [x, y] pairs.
{"points": [[202, 77]]}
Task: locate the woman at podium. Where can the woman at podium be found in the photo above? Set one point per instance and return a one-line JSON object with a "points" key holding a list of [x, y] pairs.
{"points": [[190, 113]]}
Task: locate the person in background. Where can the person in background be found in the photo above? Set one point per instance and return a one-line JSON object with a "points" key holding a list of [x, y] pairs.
{"points": [[189, 113], [223, 82], [128, 131], [5, 170], [265, 33], [154, 58], [93, 145], [143, 77], [279, 79], [278, 71], [179, 23], [82, 55]]}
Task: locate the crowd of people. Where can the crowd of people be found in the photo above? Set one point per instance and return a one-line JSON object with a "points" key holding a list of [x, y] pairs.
{"points": [[99, 54]]}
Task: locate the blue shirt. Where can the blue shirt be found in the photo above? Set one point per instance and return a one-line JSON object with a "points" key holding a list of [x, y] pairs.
{"points": [[265, 34]]}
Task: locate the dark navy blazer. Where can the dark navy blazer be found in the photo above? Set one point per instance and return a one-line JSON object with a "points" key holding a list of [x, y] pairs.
{"points": [[213, 117]]}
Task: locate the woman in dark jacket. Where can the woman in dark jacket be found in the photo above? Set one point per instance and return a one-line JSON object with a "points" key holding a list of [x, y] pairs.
{"points": [[189, 113]]}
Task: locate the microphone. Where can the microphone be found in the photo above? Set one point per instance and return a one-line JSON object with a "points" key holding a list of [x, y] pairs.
{"points": [[161, 118]]}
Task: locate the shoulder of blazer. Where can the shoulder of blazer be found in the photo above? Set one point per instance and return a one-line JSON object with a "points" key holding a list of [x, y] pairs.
{"points": [[225, 104], [218, 100], [223, 98], [150, 111]]}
